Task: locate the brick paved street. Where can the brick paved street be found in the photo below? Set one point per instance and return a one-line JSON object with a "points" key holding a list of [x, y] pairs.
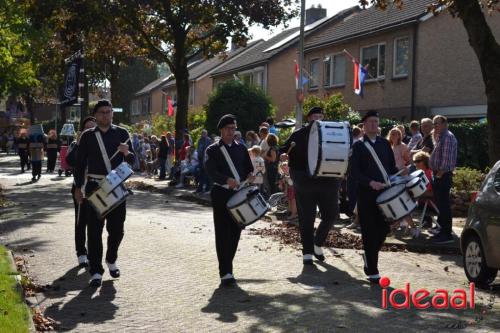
{"points": [[169, 277]]}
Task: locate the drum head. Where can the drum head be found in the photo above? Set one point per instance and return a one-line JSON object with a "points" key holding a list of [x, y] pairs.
{"points": [[239, 197], [396, 180], [418, 173], [391, 193], [313, 148], [413, 182]]}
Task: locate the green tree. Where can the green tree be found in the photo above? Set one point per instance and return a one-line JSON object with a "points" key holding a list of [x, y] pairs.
{"points": [[134, 74], [333, 105], [85, 25], [17, 66], [250, 105], [486, 48], [175, 31]]}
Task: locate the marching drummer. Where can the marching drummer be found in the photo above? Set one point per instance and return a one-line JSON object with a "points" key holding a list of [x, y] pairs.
{"points": [[22, 148], [91, 158], [226, 178], [364, 168], [311, 193]]}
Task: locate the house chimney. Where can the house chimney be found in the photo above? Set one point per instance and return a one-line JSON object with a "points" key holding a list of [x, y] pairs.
{"points": [[234, 45], [314, 14]]}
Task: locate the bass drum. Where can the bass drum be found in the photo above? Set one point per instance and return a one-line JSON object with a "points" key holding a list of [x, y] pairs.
{"points": [[328, 148]]}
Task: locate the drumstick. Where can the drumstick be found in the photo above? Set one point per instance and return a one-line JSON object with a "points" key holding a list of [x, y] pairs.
{"points": [[292, 144], [400, 171], [117, 151]]}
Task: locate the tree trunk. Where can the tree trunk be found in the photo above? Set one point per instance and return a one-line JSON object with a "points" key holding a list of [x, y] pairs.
{"points": [[181, 74], [487, 51]]}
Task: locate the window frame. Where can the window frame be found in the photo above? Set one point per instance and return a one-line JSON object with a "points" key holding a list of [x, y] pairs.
{"points": [[311, 74], [332, 56], [394, 54], [379, 77]]}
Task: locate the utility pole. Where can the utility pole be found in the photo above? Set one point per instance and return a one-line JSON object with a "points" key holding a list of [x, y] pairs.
{"points": [[300, 88]]}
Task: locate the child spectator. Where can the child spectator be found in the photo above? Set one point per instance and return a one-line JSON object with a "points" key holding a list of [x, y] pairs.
{"points": [[286, 185]]}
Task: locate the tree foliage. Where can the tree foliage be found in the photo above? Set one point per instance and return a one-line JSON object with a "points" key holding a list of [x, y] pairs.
{"points": [[17, 66], [175, 31], [333, 105], [250, 105]]}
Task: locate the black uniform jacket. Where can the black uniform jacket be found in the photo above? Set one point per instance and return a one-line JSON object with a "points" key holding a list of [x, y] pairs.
{"points": [[217, 167], [89, 155], [364, 169]]}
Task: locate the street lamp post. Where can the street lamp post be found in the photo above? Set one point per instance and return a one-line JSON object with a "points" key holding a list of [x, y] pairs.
{"points": [[300, 88]]}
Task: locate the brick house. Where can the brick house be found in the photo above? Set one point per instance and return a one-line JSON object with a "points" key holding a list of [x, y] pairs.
{"points": [[270, 65], [148, 100], [413, 63]]}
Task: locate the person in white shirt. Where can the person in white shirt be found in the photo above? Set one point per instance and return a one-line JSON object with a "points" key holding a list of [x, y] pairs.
{"points": [[416, 136], [188, 165]]}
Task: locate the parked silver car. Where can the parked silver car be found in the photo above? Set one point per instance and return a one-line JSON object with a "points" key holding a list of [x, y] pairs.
{"points": [[480, 239]]}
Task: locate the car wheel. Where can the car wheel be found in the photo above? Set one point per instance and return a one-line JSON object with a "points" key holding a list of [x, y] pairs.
{"points": [[475, 264]]}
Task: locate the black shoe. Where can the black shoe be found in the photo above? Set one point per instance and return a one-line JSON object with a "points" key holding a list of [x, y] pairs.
{"points": [[95, 283], [33, 179], [228, 282], [115, 273], [22, 170], [373, 280]]}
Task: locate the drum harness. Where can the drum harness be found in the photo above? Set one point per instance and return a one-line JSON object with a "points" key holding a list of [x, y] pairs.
{"points": [[233, 170], [379, 164]]}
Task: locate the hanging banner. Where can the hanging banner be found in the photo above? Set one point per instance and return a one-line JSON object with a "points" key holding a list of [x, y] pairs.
{"points": [[71, 79]]}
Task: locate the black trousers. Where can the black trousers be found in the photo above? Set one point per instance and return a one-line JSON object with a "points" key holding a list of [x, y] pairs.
{"points": [[114, 225], [37, 168], [441, 188], [227, 231], [374, 227], [23, 155], [51, 159], [311, 193], [80, 225]]}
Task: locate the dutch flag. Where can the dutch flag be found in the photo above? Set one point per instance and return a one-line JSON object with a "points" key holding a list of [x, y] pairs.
{"points": [[359, 78]]}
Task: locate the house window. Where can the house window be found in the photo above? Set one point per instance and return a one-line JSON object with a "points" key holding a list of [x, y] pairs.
{"points": [[327, 78], [254, 77], [374, 57], [314, 73], [401, 56], [335, 70], [191, 94]]}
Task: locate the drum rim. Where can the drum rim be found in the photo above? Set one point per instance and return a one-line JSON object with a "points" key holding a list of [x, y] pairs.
{"points": [[403, 189], [416, 182], [237, 205], [320, 150]]}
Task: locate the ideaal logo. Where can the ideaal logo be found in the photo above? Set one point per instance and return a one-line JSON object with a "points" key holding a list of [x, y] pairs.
{"points": [[419, 298]]}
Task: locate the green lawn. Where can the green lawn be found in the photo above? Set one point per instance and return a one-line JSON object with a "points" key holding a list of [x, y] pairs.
{"points": [[13, 311]]}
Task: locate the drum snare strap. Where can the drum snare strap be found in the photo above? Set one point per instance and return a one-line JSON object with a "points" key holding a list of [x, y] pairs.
{"points": [[230, 163], [379, 164], [105, 157]]}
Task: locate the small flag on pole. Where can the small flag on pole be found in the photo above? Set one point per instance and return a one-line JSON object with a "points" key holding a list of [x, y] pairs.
{"points": [[304, 78], [170, 107], [359, 78]]}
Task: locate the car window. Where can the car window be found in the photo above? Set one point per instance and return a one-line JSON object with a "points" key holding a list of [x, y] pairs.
{"points": [[496, 181]]}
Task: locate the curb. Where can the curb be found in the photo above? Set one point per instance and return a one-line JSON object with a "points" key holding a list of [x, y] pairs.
{"points": [[20, 289]]}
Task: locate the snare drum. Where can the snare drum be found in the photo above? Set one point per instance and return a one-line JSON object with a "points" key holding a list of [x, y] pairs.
{"points": [[416, 187], [420, 174], [124, 171], [247, 206], [104, 203], [110, 182], [328, 148], [395, 202]]}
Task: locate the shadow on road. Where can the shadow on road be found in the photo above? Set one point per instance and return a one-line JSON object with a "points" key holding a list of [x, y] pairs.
{"points": [[90, 305]]}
